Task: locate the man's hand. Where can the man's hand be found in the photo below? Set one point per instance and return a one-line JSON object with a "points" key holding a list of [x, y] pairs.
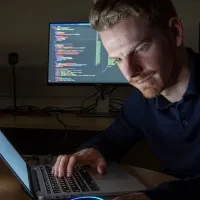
{"points": [[65, 163], [133, 196]]}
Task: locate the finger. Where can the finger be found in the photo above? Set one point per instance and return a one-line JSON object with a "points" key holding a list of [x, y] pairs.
{"points": [[101, 166], [70, 166], [62, 166], [55, 167]]}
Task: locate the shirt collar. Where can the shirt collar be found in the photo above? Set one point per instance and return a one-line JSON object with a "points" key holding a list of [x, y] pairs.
{"points": [[193, 85]]}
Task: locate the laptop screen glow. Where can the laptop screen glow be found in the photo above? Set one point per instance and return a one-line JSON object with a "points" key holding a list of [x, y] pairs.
{"points": [[15, 161]]}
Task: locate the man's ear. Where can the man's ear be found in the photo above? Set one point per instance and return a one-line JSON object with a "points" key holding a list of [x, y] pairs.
{"points": [[176, 27]]}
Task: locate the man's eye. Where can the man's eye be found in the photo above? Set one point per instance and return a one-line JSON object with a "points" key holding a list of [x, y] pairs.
{"points": [[117, 60], [142, 48]]}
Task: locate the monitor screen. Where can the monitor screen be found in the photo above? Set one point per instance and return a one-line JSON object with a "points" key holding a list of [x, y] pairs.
{"points": [[77, 56]]}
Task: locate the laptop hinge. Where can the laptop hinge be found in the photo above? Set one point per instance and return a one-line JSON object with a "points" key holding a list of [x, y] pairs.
{"points": [[32, 181], [35, 182]]}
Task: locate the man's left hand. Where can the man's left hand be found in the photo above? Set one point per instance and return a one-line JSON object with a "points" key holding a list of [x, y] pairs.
{"points": [[133, 196]]}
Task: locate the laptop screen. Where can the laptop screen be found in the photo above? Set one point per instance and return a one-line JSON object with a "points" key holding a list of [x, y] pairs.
{"points": [[14, 160]]}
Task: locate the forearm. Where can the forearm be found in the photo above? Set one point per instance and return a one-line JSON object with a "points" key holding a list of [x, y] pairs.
{"points": [[102, 143], [122, 134], [115, 141]]}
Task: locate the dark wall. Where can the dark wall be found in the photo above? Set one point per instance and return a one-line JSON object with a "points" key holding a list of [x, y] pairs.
{"points": [[44, 142]]}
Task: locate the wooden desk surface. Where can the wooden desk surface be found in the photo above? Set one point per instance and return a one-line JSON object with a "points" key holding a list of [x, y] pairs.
{"points": [[10, 188], [71, 121]]}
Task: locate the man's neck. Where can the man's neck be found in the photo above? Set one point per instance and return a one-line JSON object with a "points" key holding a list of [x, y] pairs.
{"points": [[175, 92]]}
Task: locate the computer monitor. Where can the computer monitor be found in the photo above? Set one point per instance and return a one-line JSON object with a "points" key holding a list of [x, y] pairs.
{"points": [[77, 57]]}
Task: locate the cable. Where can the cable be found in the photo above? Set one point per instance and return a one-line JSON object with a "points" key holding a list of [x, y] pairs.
{"points": [[64, 125], [116, 103], [13, 60], [82, 108], [113, 109], [14, 86], [34, 110], [120, 100]]}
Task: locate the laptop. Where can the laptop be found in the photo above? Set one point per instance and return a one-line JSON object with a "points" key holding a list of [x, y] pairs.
{"points": [[40, 183]]}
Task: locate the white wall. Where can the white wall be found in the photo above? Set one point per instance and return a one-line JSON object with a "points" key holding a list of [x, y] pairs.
{"points": [[24, 29]]}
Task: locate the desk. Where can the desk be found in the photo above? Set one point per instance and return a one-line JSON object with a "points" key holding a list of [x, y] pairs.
{"points": [[10, 188], [71, 121]]}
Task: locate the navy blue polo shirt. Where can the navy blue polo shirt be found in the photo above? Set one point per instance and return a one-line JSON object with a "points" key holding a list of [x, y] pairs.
{"points": [[172, 129]]}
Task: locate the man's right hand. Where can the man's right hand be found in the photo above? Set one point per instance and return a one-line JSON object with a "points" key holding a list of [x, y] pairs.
{"points": [[65, 163]]}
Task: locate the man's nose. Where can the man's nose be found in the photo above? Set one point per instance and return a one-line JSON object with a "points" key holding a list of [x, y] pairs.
{"points": [[132, 67]]}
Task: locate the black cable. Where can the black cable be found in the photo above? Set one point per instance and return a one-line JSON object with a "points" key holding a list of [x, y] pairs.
{"points": [[113, 109], [119, 100], [33, 110], [13, 60], [14, 87], [82, 104], [71, 109], [116, 103], [105, 94], [52, 109], [64, 125]]}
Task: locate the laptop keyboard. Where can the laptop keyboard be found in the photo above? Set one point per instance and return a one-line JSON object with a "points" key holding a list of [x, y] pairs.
{"points": [[87, 178], [52, 183], [80, 181]]}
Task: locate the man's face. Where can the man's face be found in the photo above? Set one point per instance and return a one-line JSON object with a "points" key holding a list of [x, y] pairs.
{"points": [[143, 54]]}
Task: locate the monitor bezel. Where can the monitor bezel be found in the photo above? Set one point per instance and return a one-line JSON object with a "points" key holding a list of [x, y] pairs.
{"points": [[74, 84]]}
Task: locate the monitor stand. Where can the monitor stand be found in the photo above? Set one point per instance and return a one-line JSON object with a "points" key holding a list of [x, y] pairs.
{"points": [[102, 109]]}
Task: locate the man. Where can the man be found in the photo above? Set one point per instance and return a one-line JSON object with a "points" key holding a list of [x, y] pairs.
{"points": [[145, 39]]}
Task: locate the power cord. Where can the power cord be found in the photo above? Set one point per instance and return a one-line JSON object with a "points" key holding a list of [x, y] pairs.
{"points": [[64, 125], [13, 60], [29, 110], [102, 95], [87, 98]]}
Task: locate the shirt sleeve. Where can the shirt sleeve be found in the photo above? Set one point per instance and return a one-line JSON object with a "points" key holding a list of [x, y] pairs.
{"points": [[121, 135], [178, 189]]}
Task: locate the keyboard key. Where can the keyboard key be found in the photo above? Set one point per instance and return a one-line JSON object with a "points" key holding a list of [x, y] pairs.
{"points": [[48, 177], [72, 184], [80, 181], [64, 185], [88, 179]]}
